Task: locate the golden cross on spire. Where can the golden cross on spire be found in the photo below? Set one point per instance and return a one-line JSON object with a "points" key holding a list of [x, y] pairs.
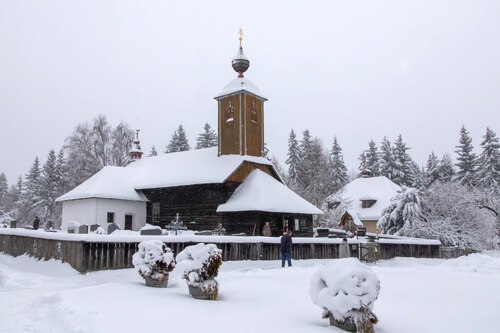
{"points": [[241, 36]]}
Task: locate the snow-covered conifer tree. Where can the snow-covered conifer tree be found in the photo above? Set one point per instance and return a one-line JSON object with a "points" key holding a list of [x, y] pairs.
{"points": [[30, 199], [444, 169], [402, 173], [418, 177], [304, 174], [466, 159], [488, 171], [62, 173], [431, 170], [50, 187], [153, 152], [386, 162], [338, 168], [4, 188], [178, 142], [293, 157], [370, 159], [208, 138]]}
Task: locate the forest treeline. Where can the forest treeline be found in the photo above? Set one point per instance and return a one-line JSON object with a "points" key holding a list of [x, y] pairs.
{"points": [[312, 170]]}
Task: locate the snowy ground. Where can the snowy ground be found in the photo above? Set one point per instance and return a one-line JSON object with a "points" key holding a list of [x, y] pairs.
{"points": [[417, 295]]}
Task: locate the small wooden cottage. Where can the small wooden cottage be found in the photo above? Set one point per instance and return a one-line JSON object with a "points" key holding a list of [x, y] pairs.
{"points": [[365, 198], [231, 184]]}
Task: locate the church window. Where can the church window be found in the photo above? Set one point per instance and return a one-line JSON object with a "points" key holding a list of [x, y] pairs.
{"points": [[155, 212]]}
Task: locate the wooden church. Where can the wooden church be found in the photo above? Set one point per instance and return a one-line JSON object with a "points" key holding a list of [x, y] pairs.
{"points": [[231, 184]]}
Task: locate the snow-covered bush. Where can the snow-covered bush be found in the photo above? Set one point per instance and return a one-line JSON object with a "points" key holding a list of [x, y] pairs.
{"points": [[153, 260], [455, 215], [403, 215], [346, 290], [200, 264]]}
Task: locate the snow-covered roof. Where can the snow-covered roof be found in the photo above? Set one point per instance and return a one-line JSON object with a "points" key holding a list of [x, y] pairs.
{"points": [[110, 183], [240, 84], [201, 166], [261, 192], [355, 217], [380, 189]]}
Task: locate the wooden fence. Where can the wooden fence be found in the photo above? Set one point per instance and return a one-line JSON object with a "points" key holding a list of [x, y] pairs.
{"points": [[87, 256]]}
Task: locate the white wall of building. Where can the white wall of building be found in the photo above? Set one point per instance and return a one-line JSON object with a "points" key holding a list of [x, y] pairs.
{"points": [[95, 211]]}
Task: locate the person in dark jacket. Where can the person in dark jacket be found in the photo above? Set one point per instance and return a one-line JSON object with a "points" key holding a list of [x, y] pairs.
{"points": [[286, 248], [36, 223]]}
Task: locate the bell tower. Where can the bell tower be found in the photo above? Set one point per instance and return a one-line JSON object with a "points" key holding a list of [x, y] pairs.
{"points": [[241, 112]]}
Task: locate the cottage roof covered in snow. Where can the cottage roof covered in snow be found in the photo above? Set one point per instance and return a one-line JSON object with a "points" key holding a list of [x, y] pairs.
{"points": [[201, 166], [261, 192], [380, 189]]}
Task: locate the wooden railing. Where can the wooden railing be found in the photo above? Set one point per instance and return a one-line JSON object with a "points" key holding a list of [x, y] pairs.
{"points": [[87, 256]]}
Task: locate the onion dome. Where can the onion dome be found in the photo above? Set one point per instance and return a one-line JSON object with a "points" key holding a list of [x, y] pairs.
{"points": [[136, 152], [240, 62]]}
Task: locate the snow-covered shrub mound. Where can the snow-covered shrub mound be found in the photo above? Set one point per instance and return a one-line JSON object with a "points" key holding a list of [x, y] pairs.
{"points": [[153, 259], [346, 289], [200, 264]]}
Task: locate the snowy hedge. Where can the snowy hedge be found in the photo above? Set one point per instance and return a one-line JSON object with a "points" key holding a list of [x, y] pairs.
{"points": [[200, 264], [153, 259], [345, 289]]}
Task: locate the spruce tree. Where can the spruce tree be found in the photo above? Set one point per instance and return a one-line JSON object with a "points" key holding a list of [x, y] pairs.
{"points": [[4, 188], [431, 173], [402, 173], [304, 176], [62, 174], [207, 139], [466, 159], [488, 171], [319, 182], [153, 152], [33, 184], [178, 142], [338, 168], [31, 196], [50, 187], [293, 157], [445, 169], [386, 159], [370, 159]]}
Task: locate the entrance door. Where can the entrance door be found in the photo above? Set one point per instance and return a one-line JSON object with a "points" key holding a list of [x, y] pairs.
{"points": [[128, 222]]}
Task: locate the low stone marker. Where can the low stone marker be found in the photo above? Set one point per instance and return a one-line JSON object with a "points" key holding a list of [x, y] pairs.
{"points": [[151, 232], [83, 229]]}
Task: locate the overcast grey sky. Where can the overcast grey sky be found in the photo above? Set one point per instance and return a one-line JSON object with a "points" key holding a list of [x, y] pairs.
{"points": [[359, 70]]}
